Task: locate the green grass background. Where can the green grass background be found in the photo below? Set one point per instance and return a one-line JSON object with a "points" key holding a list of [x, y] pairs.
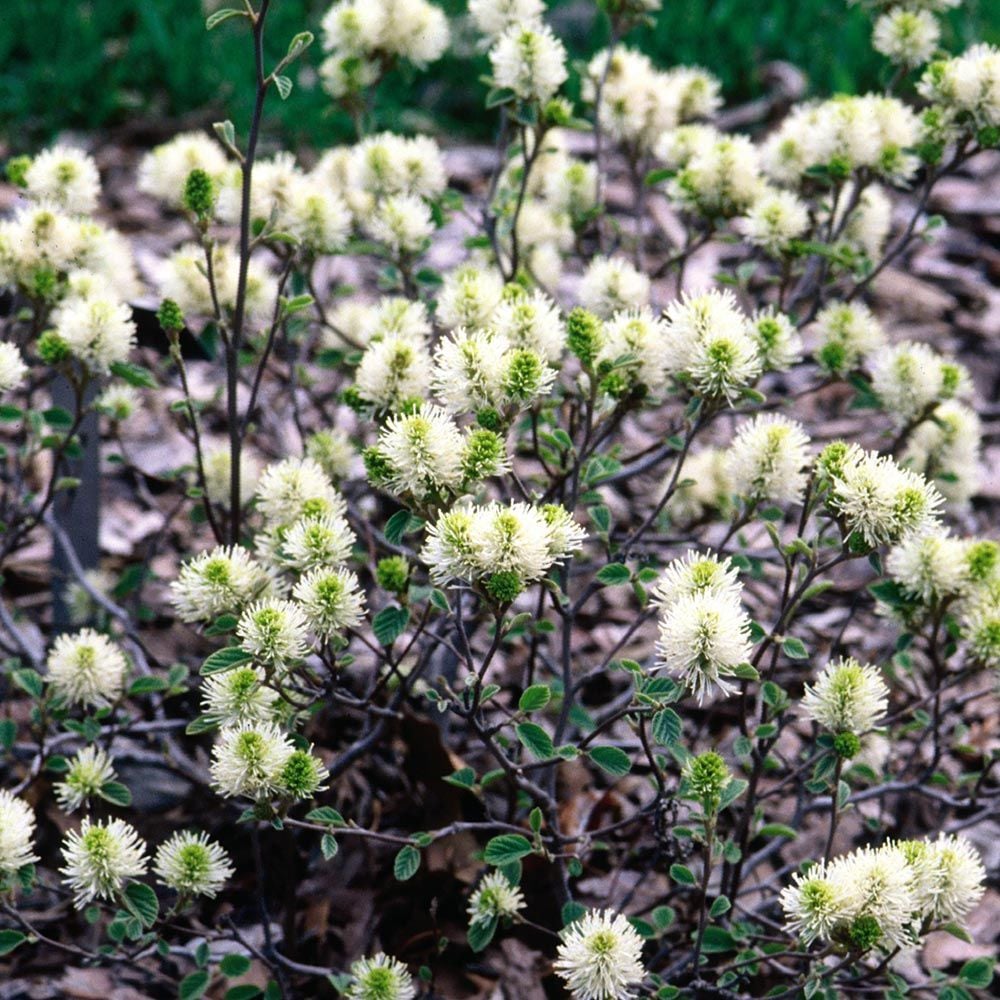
{"points": [[86, 64]]}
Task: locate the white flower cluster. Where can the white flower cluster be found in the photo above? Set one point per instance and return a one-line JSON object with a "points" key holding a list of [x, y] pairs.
{"points": [[766, 459], [86, 668], [501, 546], [362, 37], [55, 253], [887, 897], [380, 977], [946, 449], [637, 103], [704, 631], [17, 835], [848, 697], [967, 89], [600, 957], [101, 857], [86, 775]]}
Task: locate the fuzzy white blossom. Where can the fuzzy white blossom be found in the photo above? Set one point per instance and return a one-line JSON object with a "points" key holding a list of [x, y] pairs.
{"points": [[88, 771], [600, 957], [393, 370], [164, 171], [910, 377], [100, 857], [611, 284], [767, 457], [637, 336], [946, 449], [495, 898], [907, 37], [65, 177], [848, 697], [774, 219], [331, 600], [248, 759], [423, 451], [403, 224], [380, 977], [529, 60], [17, 834], [777, 338], [468, 297], [930, 567], [274, 631], [968, 84], [238, 695], [531, 321], [13, 370], [98, 331], [86, 668], [193, 864], [221, 581], [297, 487], [493, 17], [847, 332], [697, 573]]}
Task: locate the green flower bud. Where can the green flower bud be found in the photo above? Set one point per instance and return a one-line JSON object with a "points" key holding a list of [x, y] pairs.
{"points": [[302, 775], [52, 349], [392, 574], [490, 419], [377, 466], [707, 776], [199, 194], [865, 933], [504, 587], [524, 376], [846, 745], [584, 334], [17, 170], [484, 455], [170, 317]]}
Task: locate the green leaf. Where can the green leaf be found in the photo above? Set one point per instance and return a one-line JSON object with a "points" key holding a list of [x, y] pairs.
{"points": [[535, 697], [778, 830], [535, 740], [141, 902], [389, 624], [795, 649], [284, 85], [682, 875], [325, 815], [616, 762], [720, 906], [245, 991], [215, 19], [977, 972], [225, 659], [202, 724], [400, 524], [571, 912], [116, 792], [506, 848], [481, 933], [192, 987], [667, 727], [957, 931], [406, 864], [464, 777], [141, 378], [328, 845], [717, 940], [234, 965], [30, 681], [147, 685], [9, 940], [614, 574]]}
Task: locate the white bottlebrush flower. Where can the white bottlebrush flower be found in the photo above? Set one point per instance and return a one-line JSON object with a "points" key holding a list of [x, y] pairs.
{"points": [[473, 543], [635, 338], [423, 451], [118, 402], [274, 631], [946, 449], [981, 630], [164, 171], [847, 332], [468, 297], [907, 37], [910, 377], [331, 600], [572, 188], [334, 451], [247, 759], [12, 367], [468, 371], [848, 697], [704, 487], [64, 177], [611, 284], [766, 458], [955, 883], [218, 480], [86, 668], [221, 581], [696, 573], [600, 957], [930, 567], [493, 17], [775, 218], [532, 322], [709, 346], [393, 371], [777, 338], [529, 60], [880, 501], [814, 904], [403, 224], [317, 541], [720, 180], [193, 864], [99, 857], [238, 695], [415, 30], [294, 488], [495, 898], [316, 216], [17, 834], [878, 884], [99, 331], [704, 637], [967, 86], [88, 771], [380, 977]]}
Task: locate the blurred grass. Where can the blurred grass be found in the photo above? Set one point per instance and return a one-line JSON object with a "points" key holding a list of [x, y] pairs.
{"points": [[85, 65]]}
